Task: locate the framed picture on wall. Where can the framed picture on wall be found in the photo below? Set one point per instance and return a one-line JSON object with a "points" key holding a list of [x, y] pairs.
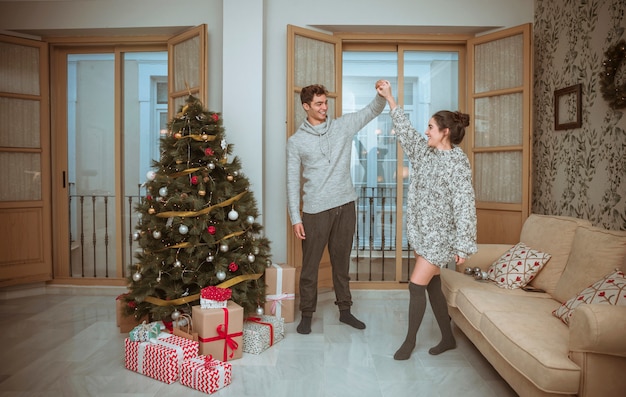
{"points": [[568, 107]]}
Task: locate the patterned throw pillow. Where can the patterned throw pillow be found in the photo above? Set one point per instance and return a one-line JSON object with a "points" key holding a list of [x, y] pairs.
{"points": [[611, 290], [517, 267]]}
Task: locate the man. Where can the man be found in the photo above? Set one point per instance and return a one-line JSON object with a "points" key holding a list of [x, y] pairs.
{"points": [[321, 150]]}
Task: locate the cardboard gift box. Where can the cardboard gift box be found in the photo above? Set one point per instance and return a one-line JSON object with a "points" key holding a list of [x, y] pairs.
{"points": [[220, 331], [159, 358], [281, 291], [205, 374], [261, 333], [125, 322]]}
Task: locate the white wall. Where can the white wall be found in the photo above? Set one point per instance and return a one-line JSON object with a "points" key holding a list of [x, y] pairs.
{"points": [[247, 59]]}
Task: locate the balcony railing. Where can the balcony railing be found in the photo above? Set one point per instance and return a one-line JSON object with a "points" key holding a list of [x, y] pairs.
{"points": [[93, 235]]}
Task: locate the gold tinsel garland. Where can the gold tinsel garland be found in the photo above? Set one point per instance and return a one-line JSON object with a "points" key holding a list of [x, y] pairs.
{"points": [[191, 298], [612, 92]]}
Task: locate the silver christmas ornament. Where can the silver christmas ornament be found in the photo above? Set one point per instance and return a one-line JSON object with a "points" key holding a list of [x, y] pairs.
{"points": [[221, 275], [251, 258], [156, 234], [177, 263], [163, 191], [137, 276], [255, 250], [224, 248], [175, 315], [136, 236], [250, 219], [233, 215], [268, 262], [210, 258], [151, 175], [211, 166], [259, 311], [183, 229]]}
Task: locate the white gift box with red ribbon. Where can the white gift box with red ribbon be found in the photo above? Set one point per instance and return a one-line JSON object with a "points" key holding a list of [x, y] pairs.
{"points": [[159, 358], [205, 374]]}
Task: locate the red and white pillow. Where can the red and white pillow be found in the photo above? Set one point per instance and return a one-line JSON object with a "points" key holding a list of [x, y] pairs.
{"points": [[517, 267], [611, 290]]}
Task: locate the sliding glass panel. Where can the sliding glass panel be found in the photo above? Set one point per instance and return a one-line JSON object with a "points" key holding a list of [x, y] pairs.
{"points": [[19, 64], [145, 122], [91, 163], [498, 177], [499, 120], [20, 123], [499, 64], [22, 173], [319, 71]]}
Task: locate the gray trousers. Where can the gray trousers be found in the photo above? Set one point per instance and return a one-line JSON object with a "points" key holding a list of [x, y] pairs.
{"points": [[335, 228]]}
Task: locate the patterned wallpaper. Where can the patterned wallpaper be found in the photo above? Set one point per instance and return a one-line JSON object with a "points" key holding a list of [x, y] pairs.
{"points": [[578, 172]]}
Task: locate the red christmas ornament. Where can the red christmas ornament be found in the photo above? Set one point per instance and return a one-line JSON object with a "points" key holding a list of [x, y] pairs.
{"points": [[215, 117], [233, 267], [132, 304], [194, 180], [208, 151], [211, 229], [148, 197]]}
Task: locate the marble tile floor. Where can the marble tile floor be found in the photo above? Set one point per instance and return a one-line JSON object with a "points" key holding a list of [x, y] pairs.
{"points": [[68, 345]]}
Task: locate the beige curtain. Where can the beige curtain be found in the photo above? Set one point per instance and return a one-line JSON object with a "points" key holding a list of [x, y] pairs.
{"points": [[499, 125], [20, 158]]}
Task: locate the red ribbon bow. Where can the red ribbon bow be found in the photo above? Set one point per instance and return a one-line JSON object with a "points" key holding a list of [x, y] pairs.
{"points": [[258, 321], [222, 333], [209, 362]]}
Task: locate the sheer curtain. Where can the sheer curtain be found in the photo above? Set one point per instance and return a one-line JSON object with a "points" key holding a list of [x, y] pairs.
{"points": [[499, 125], [19, 123]]}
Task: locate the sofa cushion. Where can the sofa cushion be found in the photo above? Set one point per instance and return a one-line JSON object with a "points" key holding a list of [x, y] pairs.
{"points": [[595, 253], [452, 282], [535, 343], [552, 234], [517, 267], [610, 290], [473, 303]]}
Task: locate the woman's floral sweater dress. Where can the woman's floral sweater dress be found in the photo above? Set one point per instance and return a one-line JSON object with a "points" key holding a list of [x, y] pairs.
{"points": [[441, 208]]}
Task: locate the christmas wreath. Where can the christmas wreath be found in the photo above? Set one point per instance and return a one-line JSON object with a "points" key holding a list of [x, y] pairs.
{"points": [[613, 92]]}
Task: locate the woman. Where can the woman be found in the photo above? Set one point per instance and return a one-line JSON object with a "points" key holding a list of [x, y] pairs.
{"points": [[441, 216]]}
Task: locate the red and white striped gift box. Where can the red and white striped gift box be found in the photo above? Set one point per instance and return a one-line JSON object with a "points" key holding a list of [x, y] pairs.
{"points": [[205, 374], [159, 358]]}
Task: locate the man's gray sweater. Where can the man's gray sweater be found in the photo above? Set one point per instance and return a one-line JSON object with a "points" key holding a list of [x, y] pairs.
{"points": [[323, 154]]}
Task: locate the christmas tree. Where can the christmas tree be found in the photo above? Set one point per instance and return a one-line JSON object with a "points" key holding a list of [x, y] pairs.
{"points": [[197, 223]]}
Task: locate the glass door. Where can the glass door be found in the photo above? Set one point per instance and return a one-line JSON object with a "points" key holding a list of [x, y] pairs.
{"points": [[424, 81], [116, 112]]}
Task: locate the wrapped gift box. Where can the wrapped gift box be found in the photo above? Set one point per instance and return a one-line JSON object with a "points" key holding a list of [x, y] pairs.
{"points": [[126, 323], [159, 358], [281, 291], [220, 331], [213, 297], [205, 374], [261, 333]]}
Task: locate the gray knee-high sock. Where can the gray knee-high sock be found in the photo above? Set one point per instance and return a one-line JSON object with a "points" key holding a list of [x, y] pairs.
{"points": [[440, 309], [417, 307]]}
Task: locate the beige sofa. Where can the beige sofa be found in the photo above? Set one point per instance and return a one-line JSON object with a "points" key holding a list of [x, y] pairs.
{"points": [[534, 351]]}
